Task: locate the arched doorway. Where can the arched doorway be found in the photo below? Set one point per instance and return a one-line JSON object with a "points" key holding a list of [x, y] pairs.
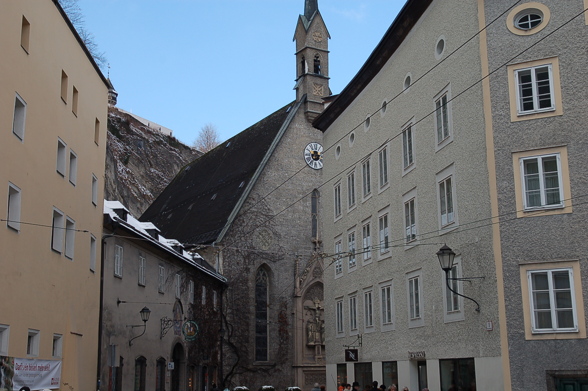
{"points": [[177, 378]]}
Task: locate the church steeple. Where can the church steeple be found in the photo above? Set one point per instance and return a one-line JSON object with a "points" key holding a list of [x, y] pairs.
{"points": [[312, 59]]}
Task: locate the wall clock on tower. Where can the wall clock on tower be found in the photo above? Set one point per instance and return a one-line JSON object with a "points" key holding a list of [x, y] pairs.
{"points": [[313, 155]]}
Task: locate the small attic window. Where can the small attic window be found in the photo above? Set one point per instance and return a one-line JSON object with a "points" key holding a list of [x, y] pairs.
{"points": [[229, 143], [213, 196], [288, 109], [241, 184]]}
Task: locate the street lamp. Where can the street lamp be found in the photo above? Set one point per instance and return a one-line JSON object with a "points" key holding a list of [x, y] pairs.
{"points": [[446, 257], [145, 312]]}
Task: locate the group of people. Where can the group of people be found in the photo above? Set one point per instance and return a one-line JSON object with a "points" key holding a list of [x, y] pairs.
{"points": [[371, 387]]}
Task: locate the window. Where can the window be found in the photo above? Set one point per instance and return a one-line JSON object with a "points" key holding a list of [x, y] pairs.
{"points": [[203, 298], [94, 190], [407, 147], [14, 205], [351, 189], [4, 334], [339, 314], [368, 309], [353, 313], [33, 342], [338, 258], [535, 89], [92, 252], [453, 303], [366, 237], [410, 220], [366, 178], [57, 231], [542, 181], [178, 286], [314, 209], [74, 101], [191, 292], [415, 299], [25, 34], [384, 236], [61, 157], [457, 371], [351, 249], [553, 307], [18, 121], [57, 348], [214, 300], [445, 194], [142, 267], [140, 373], [70, 237], [261, 315], [528, 18], [337, 199], [161, 279], [160, 374], [64, 86], [383, 160], [96, 131], [443, 117], [118, 260], [73, 167], [387, 305]]}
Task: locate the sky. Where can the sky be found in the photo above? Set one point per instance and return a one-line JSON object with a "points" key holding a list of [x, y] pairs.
{"points": [[187, 63]]}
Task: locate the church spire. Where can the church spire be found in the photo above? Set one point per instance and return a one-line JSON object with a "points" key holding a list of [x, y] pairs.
{"points": [[310, 8]]}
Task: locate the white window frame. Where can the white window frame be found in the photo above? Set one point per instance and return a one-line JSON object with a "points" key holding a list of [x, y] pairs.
{"points": [[552, 291], [366, 241], [14, 207], [70, 237], [383, 167], [337, 200], [443, 118], [384, 232], [338, 257], [33, 337], [533, 85], [366, 178], [93, 252], [191, 292], [94, 190], [161, 279], [353, 329], [57, 230], [410, 217], [368, 309], [4, 339], [142, 269], [352, 250], [351, 196], [61, 157], [541, 174], [19, 117], [73, 167], [453, 303], [414, 285], [339, 322], [118, 260], [178, 285], [387, 310], [446, 180], [57, 347], [408, 156]]}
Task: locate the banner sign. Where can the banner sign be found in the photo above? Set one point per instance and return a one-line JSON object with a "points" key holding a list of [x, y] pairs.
{"points": [[36, 374]]}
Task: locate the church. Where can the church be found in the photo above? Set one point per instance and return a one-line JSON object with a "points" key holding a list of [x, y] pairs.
{"points": [[251, 208]]}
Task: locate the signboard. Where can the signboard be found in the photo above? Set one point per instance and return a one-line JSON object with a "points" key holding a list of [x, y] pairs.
{"points": [[190, 330], [35, 374], [417, 355], [170, 366], [351, 355]]}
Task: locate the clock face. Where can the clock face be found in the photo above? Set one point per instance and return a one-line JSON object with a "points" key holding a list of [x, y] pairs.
{"points": [[313, 155]]}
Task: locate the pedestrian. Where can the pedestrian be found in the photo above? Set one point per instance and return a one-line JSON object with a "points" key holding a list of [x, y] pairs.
{"points": [[392, 388], [24, 388], [382, 387], [347, 387], [214, 388], [405, 389], [323, 388], [316, 387], [355, 386], [375, 386]]}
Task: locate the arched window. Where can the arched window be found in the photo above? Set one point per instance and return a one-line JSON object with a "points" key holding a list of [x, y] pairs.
{"points": [[302, 66], [317, 64], [314, 211], [261, 315], [160, 374], [140, 371]]}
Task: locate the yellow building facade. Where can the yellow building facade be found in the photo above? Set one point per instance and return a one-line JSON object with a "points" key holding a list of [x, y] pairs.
{"points": [[53, 112]]}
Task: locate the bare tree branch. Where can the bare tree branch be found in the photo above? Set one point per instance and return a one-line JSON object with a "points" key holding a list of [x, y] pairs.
{"points": [[207, 138]]}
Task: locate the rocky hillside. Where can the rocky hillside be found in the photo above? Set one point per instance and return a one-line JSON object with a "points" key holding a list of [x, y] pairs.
{"points": [[140, 161]]}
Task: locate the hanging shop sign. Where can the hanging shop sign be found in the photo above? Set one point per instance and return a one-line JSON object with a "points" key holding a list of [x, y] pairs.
{"points": [[190, 330], [351, 355]]}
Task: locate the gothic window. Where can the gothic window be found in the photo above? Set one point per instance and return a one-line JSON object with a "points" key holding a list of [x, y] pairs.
{"points": [[261, 315], [314, 212], [140, 373], [303, 66], [317, 64]]}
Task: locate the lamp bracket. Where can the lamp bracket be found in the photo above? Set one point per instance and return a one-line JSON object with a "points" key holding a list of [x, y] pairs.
{"points": [[447, 278], [353, 345], [466, 278], [166, 324]]}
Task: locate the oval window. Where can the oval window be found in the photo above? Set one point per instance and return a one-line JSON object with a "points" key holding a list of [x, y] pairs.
{"points": [[528, 20]]}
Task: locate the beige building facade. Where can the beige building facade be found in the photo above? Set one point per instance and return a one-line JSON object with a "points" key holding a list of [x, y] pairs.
{"points": [[53, 107]]}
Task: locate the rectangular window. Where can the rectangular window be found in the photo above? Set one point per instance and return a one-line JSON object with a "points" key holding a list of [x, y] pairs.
{"points": [[368, 309], [442, 118], [33, 342], [74, 101], [178, 286], [542, 182], [57, 345], [383, 160], [351, 249], [70, 237], [410, 220], [57, 226], [118, 260], [446, 201], [353, 313], [535, 89], [4, 334], [351, 189], [18, 121], [458, 371], [407, 147], [366, 178], [451, 298], [203, 295], [73, 167], [94, 190], [25, 34], [161, 279], [339, 314], [414, 298], [92, 252], [142, 267], [384, 236], [96, 131], [337, 199], [191, 292], [366, 237], [64, 86], [552, 298], [214, 300], [386, 301], [14, 206], [338, 257], [61, 157]]}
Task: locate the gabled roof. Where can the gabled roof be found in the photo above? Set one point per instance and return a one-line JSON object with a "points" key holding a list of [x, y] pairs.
{"points": [[199, 205]]}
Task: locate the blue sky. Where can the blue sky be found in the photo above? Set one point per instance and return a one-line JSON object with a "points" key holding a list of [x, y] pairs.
{"points": [[230, 63]]}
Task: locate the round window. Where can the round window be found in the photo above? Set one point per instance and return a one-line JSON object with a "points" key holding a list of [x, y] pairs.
{"points": [[407, 82], [367, 123], [351, 139], [528, 20], [338, 151]]}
